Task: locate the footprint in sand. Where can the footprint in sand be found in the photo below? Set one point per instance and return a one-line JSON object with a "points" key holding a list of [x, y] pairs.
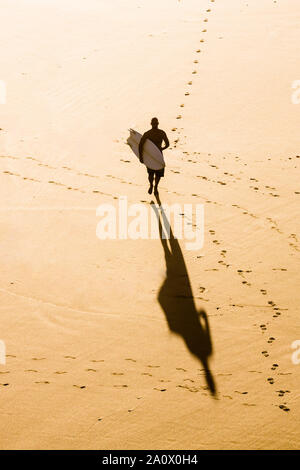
{"points": [[31, 179], [271, 380], [284, 408], [224, 264], [281, 393], [265, 353], [271, 339], [274, 367], [191, 389], [279, 269]]}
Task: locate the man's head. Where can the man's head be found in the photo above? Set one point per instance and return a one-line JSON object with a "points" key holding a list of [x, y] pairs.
{"points": [[154, 122]]}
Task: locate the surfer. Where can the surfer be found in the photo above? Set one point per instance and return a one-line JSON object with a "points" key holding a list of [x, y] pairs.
{"points": [[157, 136]]}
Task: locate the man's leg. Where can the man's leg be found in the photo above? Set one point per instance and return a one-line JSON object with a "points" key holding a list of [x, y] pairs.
{"points": [[150, 178], [157, 180]]}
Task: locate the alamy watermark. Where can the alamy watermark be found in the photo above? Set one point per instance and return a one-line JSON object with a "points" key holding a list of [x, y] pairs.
{"points": [[2, 353], [296, 94], [296, 354], [139, 221], [2, 92]]}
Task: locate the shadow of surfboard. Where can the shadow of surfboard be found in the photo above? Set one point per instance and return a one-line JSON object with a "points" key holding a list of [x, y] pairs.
{"points": [[177, 301]]}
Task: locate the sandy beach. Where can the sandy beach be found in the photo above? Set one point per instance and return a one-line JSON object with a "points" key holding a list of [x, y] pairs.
{"points": [[104, 349]]}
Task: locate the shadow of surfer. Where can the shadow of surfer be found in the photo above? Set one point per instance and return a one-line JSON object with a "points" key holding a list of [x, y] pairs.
{"points": [[177, 301]]}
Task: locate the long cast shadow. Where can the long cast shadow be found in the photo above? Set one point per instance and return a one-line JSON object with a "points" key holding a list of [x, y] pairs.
{"points": [[177, 301]]}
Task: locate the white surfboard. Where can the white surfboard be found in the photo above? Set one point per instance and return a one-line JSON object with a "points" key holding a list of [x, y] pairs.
{"points": [[152, 156]]}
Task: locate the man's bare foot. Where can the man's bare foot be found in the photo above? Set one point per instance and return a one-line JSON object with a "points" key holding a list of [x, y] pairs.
{"points": [[150, 189]]}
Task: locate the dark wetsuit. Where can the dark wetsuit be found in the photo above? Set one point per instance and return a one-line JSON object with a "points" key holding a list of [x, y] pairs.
{"points": [[157, 136]]}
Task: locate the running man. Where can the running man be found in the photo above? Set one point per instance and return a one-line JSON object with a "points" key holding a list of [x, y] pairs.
{"points": [[157, 136]]}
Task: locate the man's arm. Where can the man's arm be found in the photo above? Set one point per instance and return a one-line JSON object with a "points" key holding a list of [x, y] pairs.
{"points": [[141, 145], [166, 141]]}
